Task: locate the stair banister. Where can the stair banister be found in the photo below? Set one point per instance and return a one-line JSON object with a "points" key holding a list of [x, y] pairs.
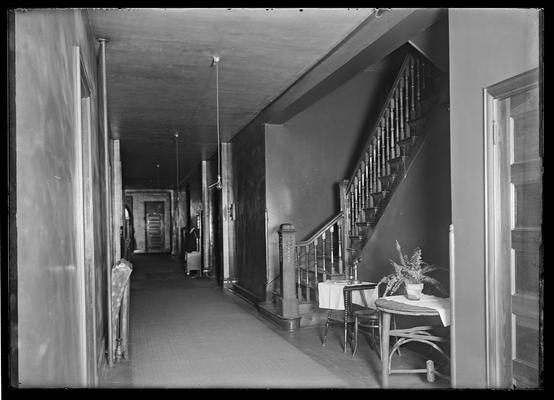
{"points": [[405, 64], [320, 231]]}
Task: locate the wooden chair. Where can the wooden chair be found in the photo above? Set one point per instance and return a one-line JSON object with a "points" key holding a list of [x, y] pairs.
{"points": [[368, 318], [347, 316]]}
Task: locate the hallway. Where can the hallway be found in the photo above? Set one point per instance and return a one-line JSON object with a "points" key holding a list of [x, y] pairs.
{"points": [[187, 333]]}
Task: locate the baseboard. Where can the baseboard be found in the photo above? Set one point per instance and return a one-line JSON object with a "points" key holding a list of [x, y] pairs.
{"points": [[272, 312], [245, 294]]}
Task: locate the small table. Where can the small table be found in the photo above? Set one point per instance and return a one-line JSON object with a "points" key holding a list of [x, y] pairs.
{"points": [[340, 295], [387, 307]]}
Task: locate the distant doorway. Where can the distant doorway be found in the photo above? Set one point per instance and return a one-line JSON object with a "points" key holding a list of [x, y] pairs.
{"points": [[154, 226]]}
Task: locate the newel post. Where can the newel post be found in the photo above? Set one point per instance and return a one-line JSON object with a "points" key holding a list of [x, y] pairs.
{"points": [[287, 262], [343, 186]]}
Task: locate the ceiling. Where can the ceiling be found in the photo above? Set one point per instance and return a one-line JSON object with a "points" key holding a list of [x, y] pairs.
{"points": [[161, 81]]}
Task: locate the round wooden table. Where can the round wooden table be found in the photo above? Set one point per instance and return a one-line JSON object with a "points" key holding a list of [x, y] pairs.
{"points": [[415, 334]]}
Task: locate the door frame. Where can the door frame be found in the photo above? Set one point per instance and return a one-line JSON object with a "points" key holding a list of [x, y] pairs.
{"points": [[84, 93], [495, 338]]}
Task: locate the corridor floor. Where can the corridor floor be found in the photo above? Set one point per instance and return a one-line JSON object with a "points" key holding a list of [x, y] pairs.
{"points": [[186, 332]]}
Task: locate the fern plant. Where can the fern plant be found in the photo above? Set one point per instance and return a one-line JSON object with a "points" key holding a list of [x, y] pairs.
{"points": [[410, 270]]}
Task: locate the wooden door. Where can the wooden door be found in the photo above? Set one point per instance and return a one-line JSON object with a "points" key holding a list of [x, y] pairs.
{"points": [[517, 201], [154, 225]]}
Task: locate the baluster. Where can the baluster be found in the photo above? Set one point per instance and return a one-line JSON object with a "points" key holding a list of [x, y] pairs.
{"points": [[350, 219], [401, 110], [383, 155], [340, 247], [360, 193], [392, 130], [378, 169], [307, 273], [374, 170], [386, 134], [323, 263], [367, 183], [397, 122], [407, 95], [355, 209], [332, 250], [418, 82], [423, 78], [369, 172], [298, 279], [359, 187], [316, 263], [412, 88], [324, 275], [352, 209]]}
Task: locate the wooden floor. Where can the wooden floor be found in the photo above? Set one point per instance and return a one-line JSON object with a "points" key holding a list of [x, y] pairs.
{"points": [[186, 332]]}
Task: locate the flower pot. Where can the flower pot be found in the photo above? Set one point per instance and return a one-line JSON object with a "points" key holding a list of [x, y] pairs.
{"points": [[413, 291]]}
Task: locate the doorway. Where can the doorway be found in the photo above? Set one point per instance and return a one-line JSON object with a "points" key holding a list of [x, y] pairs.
{"points": [[514, 204], [154, 226]]}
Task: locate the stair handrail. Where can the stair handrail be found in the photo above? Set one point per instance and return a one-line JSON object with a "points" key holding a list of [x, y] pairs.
{"points": [[321, 230], [405, 64]]}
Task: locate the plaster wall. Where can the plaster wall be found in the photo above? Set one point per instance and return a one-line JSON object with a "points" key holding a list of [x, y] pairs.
{"points": [[49, 319], [312, 152], [486, 46]]}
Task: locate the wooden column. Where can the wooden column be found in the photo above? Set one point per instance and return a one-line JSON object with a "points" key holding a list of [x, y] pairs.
{"points": [[287, 261], [108, 201], [228, 223], [205, 220]]}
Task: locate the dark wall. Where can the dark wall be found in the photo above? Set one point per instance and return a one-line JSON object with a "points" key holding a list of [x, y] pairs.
{"points": [[194, 182], [250, 202], [486, 47], [50, 319], [419, 213]]}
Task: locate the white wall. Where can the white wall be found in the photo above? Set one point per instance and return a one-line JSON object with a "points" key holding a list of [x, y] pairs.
{"points": [[486, 47]]}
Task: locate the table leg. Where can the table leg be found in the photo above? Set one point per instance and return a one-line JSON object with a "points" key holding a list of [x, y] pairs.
{"points": [[385, 327]]}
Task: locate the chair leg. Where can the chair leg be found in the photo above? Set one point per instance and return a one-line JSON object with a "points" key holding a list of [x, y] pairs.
{"points": [[326, 328], [395, 338], [355, 336], [376, 346]]}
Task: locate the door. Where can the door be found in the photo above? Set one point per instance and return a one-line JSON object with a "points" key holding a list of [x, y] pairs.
{"points": [[154, 225], [515, 239]]}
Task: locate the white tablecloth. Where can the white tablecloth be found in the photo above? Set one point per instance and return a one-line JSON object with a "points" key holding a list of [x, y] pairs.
{"points": [[331, 295], [441, 305]]}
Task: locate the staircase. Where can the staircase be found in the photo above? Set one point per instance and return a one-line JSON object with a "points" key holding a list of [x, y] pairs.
{"points": [[391, 147]]}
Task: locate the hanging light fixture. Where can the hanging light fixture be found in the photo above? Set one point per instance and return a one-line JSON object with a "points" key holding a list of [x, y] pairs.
{"points": [[215, 62]]}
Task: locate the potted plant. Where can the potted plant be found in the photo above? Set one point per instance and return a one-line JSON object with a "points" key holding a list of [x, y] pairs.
{"points": [[412, 272]]}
